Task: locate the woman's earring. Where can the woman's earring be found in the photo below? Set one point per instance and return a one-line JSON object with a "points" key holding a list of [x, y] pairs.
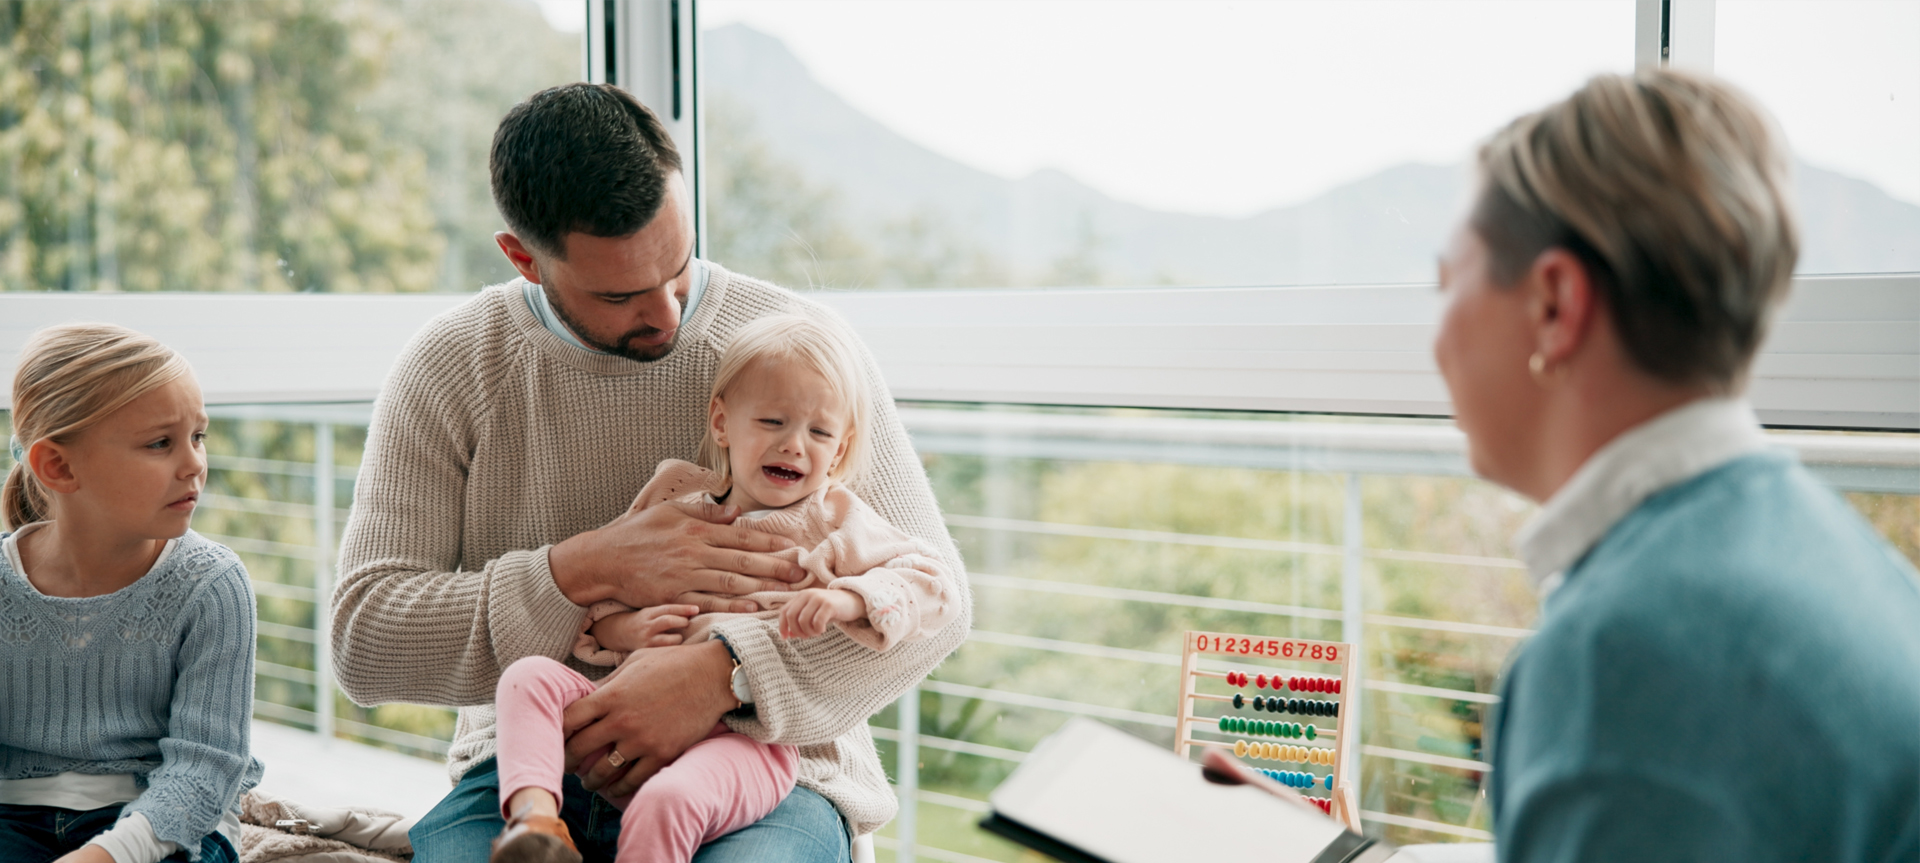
{"points": [[1537, 364]]}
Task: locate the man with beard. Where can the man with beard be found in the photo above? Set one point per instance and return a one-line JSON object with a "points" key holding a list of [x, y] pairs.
{"points": [[492, 506]]}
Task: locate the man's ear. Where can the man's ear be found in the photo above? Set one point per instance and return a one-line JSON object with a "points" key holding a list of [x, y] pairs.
{"points": [[717, 421], [519, 255], [1561, 305], [49, 462]]}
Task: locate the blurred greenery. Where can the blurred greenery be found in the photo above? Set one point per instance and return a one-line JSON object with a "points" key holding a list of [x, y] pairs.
{"points": [[259, 145]]}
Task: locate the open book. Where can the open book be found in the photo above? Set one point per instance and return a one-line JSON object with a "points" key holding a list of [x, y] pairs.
{"points": [[1093, 794]]}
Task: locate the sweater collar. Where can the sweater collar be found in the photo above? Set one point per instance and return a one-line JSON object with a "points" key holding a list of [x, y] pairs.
{"points": [[1655, 455]]}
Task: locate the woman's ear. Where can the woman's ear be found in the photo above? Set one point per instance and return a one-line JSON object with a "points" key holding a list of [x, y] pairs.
{"points": [[50, 463], [1561, 305], [717, 420]]}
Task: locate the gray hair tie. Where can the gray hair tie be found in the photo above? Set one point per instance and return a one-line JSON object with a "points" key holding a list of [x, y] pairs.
{"points": [[19, 455]]}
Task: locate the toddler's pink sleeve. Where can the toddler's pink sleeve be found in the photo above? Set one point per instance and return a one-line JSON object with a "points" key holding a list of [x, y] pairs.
{"points": [[586, 648], [909, 592]]}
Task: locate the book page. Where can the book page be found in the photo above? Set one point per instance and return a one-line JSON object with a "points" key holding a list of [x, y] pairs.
{"points": [[1123, 799]]}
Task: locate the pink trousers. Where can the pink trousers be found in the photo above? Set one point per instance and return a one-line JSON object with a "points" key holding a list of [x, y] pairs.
{"points": [[721, 784]]}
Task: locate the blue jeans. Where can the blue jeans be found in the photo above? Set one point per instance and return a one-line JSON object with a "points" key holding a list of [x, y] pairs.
{"points": [[39, 834], [804, 828]]}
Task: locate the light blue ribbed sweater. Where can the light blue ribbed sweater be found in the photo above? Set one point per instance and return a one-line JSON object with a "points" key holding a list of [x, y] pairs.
{"points": [[155, 680], [1732, 673]]}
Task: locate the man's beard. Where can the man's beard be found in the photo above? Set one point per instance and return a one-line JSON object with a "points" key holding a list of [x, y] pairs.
{"points": [[639, 353]]}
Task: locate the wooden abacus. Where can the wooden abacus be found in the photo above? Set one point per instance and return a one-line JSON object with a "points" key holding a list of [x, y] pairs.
{"points": [[1317, 742]]}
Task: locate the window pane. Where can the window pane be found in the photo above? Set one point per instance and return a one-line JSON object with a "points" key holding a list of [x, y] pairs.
{"points": [[268, 145], [959, 144], [1843, 79]]}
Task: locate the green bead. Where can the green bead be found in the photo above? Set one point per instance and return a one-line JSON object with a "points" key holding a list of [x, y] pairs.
{"points": [[1311, 732], [1223, 723], [1239, 724]]}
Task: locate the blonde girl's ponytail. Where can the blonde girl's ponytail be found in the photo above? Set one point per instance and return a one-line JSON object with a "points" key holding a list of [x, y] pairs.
{"points": [[69, 378]]}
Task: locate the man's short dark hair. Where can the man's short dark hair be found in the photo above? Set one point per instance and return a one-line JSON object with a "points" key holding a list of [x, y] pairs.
{"points": [[586, 158]]}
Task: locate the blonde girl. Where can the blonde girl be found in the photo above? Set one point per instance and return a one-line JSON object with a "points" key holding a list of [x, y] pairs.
{"points": [[126, 639], [785, 435]]}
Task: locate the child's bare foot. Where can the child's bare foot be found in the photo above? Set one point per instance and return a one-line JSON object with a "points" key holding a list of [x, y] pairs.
{"points": [[535, 834]]}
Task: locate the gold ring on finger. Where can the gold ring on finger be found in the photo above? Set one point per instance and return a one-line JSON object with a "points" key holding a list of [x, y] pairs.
{"points": [[615, 758]]}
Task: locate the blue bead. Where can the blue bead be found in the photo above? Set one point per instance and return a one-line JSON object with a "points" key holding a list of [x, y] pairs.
{"points": [[1329, 782]]}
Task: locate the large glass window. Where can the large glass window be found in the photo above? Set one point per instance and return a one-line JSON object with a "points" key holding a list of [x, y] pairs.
{"points": [[260, 145], [956, 144], [1843, 79]]}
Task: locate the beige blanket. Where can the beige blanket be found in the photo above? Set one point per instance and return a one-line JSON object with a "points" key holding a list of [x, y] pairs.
{"points": [[319, 834]]}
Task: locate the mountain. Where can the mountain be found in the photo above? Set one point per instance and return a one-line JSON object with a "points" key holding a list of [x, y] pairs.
{"points": [[1383, 228]]}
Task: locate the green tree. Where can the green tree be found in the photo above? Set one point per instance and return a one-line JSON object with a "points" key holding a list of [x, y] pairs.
{"points": [[211, 146]]}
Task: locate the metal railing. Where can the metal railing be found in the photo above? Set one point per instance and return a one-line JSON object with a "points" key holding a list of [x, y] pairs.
{"points": [[282, 514]]}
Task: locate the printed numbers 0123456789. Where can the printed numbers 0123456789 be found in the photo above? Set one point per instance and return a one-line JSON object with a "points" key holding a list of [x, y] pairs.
{"points": [[1272, 648]]}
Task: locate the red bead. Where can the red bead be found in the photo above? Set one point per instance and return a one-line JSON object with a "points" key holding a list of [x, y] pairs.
{"points": [[1293, 683], [1239, 678], [1319, 684], [1336, 686], [1260, 681]]}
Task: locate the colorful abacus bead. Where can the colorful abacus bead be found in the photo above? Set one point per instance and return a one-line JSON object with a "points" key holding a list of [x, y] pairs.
{"points": [[1238, 701], [1312, 732]]}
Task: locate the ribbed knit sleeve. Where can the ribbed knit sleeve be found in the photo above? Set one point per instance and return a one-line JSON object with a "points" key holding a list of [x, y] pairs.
{"points": [[205, 763], [812, 691], [405, 602]]}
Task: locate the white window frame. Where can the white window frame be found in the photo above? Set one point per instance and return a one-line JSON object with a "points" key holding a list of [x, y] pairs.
{"points": [[1844, 354]]}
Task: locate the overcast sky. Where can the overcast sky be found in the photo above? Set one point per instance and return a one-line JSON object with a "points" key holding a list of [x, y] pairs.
{"points": [[1232, 107]]}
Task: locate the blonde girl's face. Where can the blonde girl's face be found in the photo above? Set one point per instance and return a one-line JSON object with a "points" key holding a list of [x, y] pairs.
{"points": [[140, 470], [784, 430]]}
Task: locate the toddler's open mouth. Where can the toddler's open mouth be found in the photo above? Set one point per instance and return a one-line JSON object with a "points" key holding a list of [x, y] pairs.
{"points": [[781, 474]]}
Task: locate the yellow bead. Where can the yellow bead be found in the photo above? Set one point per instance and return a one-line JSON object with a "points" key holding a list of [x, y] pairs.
{"points": [[1240, 748]]}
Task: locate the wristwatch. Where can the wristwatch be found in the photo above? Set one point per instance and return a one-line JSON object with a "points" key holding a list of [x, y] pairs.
{"points": [[737, 681]]}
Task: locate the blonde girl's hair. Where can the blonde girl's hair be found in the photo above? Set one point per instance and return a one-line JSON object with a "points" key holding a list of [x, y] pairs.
{"points": [[818, 344], [71, 377], [1673, 190]]}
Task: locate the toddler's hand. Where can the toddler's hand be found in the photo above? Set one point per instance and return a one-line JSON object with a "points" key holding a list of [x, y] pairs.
{"points": [[811, 610], [655, 626]]}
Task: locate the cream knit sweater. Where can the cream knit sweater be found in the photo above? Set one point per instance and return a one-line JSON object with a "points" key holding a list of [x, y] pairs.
{"points": [[493, 439]]}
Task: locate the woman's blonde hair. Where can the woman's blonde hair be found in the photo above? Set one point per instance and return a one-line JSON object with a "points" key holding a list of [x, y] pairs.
{"points": [[820, 345], [71, 377], [1672, 189]]}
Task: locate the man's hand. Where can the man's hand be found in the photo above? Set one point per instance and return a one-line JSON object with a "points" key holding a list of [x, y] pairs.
{"points": [[659, 626], [673, 552], [650, 709], [812, 610]]}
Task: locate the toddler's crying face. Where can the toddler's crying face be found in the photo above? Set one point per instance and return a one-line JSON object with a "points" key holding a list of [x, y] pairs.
{"points": [[784, 430]]}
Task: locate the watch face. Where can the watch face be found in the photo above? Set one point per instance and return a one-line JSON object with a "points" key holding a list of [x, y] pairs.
{"points": [[741, 691]]}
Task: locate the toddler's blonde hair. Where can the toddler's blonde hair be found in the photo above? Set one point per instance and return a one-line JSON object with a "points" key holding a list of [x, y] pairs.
{"points": [[71, 377], [820, 345]]}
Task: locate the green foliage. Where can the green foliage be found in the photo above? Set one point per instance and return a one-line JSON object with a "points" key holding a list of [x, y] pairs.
{"points": [[258, 145]]}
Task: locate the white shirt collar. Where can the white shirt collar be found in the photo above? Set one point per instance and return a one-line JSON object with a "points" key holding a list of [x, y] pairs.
{"points": [[1657, 454]]}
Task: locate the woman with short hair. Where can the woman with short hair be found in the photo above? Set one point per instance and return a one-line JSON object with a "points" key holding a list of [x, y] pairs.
{"points": [[1727, 665]]}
